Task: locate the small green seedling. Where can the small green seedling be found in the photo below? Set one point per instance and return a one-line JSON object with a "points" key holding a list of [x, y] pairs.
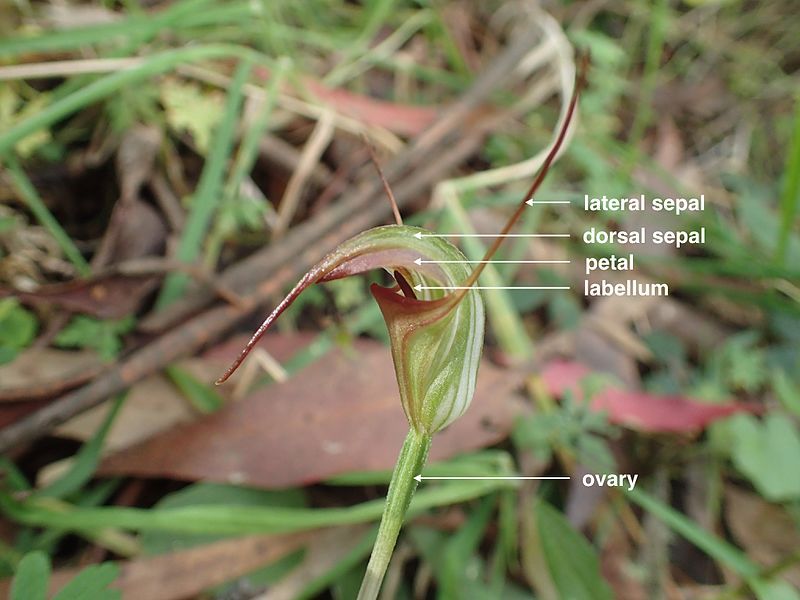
{"points": [[436, 336]]}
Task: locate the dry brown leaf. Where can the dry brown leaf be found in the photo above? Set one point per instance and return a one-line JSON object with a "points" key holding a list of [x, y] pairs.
{"points": [[153, 405], [766, 532], [142, 233], [106, 296], [187, 573], [39, 373], [669, 150], [323, 554], [402, 119], [135, 230], [338, 415]]}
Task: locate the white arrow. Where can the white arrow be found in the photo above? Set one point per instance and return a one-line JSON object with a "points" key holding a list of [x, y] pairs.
{"points": [[531, 202], [419, 235], [419, 287], [420, 262], [419, 478]]}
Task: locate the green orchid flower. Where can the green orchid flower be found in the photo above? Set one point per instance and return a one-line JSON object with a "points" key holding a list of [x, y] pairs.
{"points": [[436, 337], [435, 319]]}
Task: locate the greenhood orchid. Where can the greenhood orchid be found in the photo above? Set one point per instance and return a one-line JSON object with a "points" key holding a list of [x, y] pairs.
{"points": [[435, 319], [436, 337]]}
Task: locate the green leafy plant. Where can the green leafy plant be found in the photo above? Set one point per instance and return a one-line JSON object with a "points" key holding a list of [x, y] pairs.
{"points": [[573, 567], [17, 329], [765, 451], [202, 397], [570, 427], [33, 575], [436, 338], [103, 336]]}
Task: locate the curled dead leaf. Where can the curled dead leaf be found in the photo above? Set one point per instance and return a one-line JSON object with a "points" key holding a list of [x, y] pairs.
{"points": [[41, 373]]}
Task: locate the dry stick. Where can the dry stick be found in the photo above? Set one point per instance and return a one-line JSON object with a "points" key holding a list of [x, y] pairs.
{"points": [[67, 68], [395, 210], [347, 171], [161, 266], [436, 151], [310, 157], [282, 153]]}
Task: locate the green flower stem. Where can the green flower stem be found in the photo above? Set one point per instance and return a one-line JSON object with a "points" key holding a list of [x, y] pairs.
{"points": [[402, 486]]}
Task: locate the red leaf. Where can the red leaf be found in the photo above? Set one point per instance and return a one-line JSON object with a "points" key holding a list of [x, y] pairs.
{"points": [[640, 410], [403, 119]]}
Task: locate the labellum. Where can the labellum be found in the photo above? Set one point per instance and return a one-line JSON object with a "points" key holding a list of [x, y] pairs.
{"points": [[436, 336]]}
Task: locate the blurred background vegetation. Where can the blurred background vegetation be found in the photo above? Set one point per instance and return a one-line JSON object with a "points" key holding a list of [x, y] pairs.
{"points": [[169, 167]]}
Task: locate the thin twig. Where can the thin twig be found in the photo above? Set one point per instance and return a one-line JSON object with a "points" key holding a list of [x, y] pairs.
{"points": [[163, 266], [396, 211], [315, 146], [168, 201], [281, 152]]}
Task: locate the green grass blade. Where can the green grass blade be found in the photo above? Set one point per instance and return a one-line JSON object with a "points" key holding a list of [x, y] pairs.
{"points": [[248, 150], [202, 396], [207, 196], [718, 549], [659, 15], [232, 520], [349, 561], [14, 479], [461, 547], [504, 321], [92, 582], [790, 194], [572, 562], [246, 157], [375, 16], [86, 459], [137, 27], [45, 218]]}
